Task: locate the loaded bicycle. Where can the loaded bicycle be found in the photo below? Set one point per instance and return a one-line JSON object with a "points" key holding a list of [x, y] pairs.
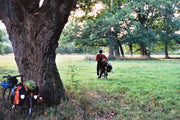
{"points": [[105, 68], [21, 96]]}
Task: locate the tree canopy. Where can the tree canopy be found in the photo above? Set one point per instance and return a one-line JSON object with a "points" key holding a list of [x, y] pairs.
{"points": [[137, 23]]}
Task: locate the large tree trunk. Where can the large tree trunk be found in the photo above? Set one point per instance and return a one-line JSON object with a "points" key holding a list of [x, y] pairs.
{"points": [[149, 28], [34, 33], [116, 50], [130, 48], [121, 48], [116, 46], [149, 51], [143, 50], [111, 44], [111, 52], [166, 52]]}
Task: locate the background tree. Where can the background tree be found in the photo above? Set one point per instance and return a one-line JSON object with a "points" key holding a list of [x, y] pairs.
{"points": [[1, 41], [146, 13], [168, 24], [104, 21], [5, 45], [134, 24], [34, 32]]}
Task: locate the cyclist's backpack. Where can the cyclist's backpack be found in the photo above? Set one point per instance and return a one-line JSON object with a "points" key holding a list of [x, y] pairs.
{"points": [[100, 58]]}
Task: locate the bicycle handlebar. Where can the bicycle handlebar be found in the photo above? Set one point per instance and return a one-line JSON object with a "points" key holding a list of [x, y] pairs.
{"points": [[9, 76], [6, 76]]}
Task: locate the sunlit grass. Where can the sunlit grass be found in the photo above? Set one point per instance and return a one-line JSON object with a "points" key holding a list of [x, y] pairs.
{"points": [[138, 89], [7, 66], [141, 88]]}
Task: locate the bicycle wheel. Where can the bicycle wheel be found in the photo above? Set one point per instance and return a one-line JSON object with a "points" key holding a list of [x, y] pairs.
{"points": [[6, 100], [105, 73]]}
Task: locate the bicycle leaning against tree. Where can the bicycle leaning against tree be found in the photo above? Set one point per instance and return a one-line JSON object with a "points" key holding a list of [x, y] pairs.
{"points": [[21, 96]]}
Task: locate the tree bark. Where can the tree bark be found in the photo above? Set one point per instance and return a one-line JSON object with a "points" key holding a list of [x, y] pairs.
{"points": [[143, 50], [121, 49], [149, 27], [166, 52], [131, 50], [149, 50], [116, 50], [116, 46], [34, 33], [111, 52]]}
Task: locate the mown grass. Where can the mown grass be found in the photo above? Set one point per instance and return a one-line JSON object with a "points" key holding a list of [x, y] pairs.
{"points": [[138, 89]]}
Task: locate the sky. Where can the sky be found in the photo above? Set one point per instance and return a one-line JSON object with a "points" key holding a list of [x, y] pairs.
{"points": [[2, 26]]}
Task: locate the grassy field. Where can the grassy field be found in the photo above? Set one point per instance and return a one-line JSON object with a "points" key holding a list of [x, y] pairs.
{"points": [[138, 89]]}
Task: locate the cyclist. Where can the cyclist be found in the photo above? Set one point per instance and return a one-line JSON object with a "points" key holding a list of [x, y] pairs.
{"points": [[100, 58]]}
